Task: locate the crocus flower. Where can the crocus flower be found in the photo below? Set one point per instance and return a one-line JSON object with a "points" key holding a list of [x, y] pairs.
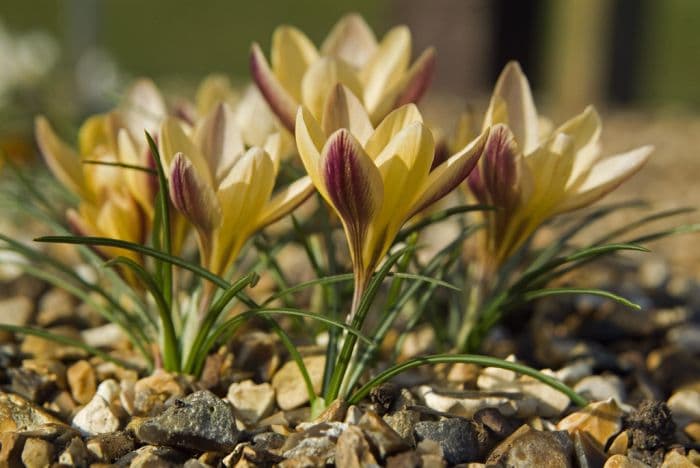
{"points": [[531, 173], [376, 179], [114, 202], [223, 188], [380, 74]]}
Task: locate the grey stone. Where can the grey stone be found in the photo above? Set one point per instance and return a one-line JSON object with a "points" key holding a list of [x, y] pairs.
{"points": [[200, 421], [457, 438], [602, 387], [75, 454], [384, 439], [109, 447], [268, 441], [353, 450], [403, 422], [314, 442]]}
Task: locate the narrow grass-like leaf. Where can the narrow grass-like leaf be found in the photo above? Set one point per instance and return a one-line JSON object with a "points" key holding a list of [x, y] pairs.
{"points": [[233, 323], [41, 333], [348, 348], [439, 216], [213, 315], [538, 293], [120, 165], [171, 353], [349, 277], [484, 361], [582, 223], [641, 222], [589, 252], [166, 273], [683, 229]]}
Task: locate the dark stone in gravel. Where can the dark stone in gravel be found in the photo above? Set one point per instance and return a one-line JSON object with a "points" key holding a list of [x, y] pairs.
{"points": [[31, 384], [201, 421], [497, 424], [268, 441], [458, 438], [383, 397], [652, 431]]}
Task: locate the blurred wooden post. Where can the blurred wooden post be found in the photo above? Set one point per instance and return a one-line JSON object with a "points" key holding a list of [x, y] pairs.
{"points": [[575, 54]]}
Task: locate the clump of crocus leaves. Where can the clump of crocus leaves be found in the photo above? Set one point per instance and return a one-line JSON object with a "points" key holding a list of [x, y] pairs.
{"points": [[325, 138]]}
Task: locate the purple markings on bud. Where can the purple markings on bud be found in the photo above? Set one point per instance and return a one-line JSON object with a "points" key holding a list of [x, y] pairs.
{"points": [[346, 180], [281, 103], [419, 77], [500, 170], [191, 196]]}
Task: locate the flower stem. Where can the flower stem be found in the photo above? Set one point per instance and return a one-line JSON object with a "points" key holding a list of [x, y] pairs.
{"points": [[355, 320]]}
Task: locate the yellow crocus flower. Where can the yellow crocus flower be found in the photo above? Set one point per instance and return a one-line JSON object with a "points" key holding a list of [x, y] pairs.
{"points": [[380, 74], [376, 179], [530, 172], [114, 202], [223, 188]]}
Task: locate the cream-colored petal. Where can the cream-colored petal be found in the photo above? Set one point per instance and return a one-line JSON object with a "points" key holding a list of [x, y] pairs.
{"points": [[173, 140], [551, 166], [415, 146], [281, 102], [448, 175], [404, 165], [141, 184], [121, 218], [344, 110], [254, 118], [291, 55], [242, 196], [387, 66], [310, 141], [285, 200], [219, 140], [606, 176], [97, 133], [584, 130], [409, 89], [143, 108], [352, 40], [213, 89], [513, 105], [62, 160], [394, 123], [321, 78]]}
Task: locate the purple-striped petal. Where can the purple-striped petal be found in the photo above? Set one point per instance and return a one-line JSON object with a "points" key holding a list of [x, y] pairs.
{"points": [[448, 175], [500, 166], [418, 79], [279, 100], [192, 196], [354, 186]]}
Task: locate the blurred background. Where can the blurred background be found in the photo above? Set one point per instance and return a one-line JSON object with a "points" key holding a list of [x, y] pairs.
{"points": [[638, 61]]}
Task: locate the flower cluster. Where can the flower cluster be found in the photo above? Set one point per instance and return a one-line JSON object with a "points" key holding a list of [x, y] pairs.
{"points": [[222, 168]]}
